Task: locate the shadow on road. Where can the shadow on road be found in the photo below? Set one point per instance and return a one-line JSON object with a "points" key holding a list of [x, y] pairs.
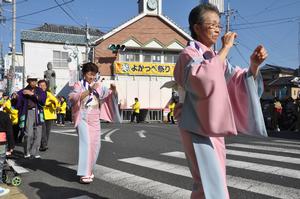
{"points": [[52, 167], [46, 191]]}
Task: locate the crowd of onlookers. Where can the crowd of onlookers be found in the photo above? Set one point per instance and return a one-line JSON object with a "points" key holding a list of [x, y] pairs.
{"points": [[26, 117], [282, 114], [8, 104]]}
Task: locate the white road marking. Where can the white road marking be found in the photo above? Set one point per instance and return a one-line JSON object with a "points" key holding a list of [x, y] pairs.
{"points": [[141, 133], [277, 144], [107, 136], [265, 148], [139, 184], [276, 158], [247, 154], [62, 133], [287, 141], [249, 166], [259, 187], [291, 173], [273, 190], [175, 154]]}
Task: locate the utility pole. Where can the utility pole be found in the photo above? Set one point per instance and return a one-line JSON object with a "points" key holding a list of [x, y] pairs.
{"points": [[13, 55], [299, 49], [11, 75], [87, 43], [228, 14]]}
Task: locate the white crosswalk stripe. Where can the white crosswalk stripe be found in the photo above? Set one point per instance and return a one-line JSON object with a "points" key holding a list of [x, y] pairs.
{"points": [[233, 181], [249, 185], [262, 156], [256, 151], [139, 184], [265, 148], [250, 166], [287, 142], [280, 144]]}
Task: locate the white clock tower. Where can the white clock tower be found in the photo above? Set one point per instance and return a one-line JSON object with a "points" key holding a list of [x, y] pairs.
{"points": [[152, 7]]}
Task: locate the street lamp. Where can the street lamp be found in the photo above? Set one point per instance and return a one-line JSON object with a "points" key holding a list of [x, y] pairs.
{"points": [[74, 55]]}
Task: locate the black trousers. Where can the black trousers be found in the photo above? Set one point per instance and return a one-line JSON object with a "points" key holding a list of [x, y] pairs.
{"points": [[171, 118], [46, 132], [137, 115]]}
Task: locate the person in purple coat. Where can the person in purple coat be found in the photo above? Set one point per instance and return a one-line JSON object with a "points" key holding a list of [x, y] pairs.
{"points": [[31, 100]]}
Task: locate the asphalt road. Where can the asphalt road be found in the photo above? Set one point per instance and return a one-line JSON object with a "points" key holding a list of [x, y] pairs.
{"points": [[147, 161]]}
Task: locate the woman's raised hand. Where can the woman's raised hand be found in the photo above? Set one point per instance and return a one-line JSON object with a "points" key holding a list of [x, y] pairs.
{"points": [[228, 39]]}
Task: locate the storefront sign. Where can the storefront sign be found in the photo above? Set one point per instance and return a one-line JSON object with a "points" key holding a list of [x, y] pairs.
{"points": [[144, 68]]}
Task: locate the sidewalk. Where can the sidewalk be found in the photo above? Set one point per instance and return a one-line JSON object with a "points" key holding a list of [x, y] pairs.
{"points": [[285, 134], [14, 193]]}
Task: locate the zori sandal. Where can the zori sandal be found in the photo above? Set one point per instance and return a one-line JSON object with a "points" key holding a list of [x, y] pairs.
{"points": [[85, 180], [92, 176]]}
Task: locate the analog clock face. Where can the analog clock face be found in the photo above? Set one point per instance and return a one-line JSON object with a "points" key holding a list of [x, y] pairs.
{"points": [[152, 4]]}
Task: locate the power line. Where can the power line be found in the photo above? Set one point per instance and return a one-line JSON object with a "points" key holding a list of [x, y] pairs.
{"points": [[268, 21], [265, 25], [70, 16], [276, 8], [276, 46], [239, 52], [73, 13], [40, 11]]}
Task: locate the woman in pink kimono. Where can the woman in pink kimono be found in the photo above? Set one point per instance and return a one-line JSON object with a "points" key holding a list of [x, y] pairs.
{"points": [[217, 99], [91, 102]]}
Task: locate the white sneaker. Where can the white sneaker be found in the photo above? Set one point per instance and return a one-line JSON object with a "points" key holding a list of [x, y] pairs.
{"points": [[278, 130], [27, 156], [37, 156], [3, 191]]}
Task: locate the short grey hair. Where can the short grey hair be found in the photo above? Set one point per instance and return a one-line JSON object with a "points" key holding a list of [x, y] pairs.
{"points": [[196, 15]]}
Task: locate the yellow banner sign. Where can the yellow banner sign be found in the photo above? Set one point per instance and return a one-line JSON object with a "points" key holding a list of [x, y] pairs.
{"points": [[144, 68]]}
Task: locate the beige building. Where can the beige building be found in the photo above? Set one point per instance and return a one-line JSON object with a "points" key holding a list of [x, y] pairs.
{"points": [[280, 82]]}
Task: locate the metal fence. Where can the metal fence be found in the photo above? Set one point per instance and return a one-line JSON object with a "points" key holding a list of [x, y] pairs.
{"points": [[147, 115]]}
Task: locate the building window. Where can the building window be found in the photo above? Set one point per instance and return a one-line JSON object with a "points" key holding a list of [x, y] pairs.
{"points": [[170, 58], [130, 56], [83, 57], [60, 59], [152, 57]]}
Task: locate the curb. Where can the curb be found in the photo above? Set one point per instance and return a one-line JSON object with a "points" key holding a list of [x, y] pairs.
{"points": [[14, 193]]}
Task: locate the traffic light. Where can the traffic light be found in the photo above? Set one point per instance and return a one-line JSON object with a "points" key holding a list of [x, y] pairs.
{"points": [[116, 47]]}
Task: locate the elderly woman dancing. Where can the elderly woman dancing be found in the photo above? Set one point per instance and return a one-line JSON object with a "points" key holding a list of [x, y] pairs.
{"points": [[91, 102], [216, 99]]}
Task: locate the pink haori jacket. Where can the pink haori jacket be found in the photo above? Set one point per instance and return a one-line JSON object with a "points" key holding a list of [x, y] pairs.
{"points": [[219, 99], [108, 110]]}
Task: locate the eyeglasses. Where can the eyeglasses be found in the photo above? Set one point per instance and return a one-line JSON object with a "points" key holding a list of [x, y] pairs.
{"points": [[214, 26]]}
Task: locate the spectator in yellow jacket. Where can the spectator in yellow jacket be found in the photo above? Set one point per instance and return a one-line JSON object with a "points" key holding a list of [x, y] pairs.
{"points": [[171, 113], [49, 114], [13, 115], [136, 110], [6, 103], [61, 111]]}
